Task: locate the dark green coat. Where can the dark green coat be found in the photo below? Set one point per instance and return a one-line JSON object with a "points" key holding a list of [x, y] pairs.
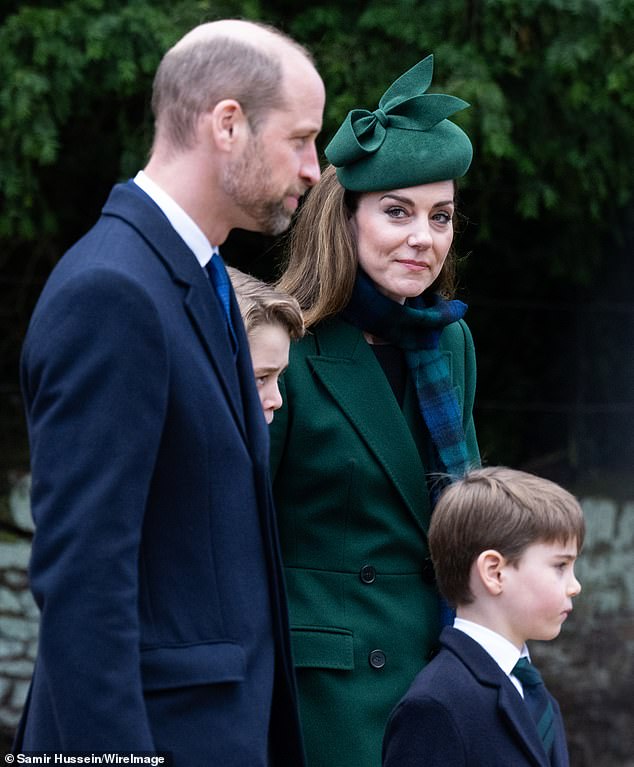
{"points": [[353, 511]]}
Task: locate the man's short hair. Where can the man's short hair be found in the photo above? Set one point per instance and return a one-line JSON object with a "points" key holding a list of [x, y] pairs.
{"points": [[262, 304], [192, 78], [501, 509]]}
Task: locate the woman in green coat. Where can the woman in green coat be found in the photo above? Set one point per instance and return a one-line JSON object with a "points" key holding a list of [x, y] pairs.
{"points": [[377, 414]]}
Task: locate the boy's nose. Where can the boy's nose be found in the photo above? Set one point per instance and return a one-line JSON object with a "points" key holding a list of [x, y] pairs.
{"points": [[575, 587], [273, 397]]}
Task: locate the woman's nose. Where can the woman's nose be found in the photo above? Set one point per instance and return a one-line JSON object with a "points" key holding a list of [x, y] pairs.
{"points": [[420, 238]]}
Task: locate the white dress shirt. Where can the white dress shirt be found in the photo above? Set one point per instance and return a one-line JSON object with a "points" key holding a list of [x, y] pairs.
{"points": [[503, 652], [183, 224]]}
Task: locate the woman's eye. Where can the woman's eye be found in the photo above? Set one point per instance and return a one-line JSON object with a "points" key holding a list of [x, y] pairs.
{"points": [[396, 212], [443, 218]]}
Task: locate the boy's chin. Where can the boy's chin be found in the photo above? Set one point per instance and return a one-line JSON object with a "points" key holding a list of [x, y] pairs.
{"points": [[545, 635]]}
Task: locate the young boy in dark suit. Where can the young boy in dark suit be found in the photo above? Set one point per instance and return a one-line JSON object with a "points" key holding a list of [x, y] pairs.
{"points": [[503, 544]]}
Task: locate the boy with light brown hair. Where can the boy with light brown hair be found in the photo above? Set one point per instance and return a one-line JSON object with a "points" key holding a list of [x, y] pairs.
{"points": [[272, 319], [503, 544]]}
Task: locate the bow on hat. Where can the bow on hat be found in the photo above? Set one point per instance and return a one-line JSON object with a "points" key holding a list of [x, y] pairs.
{"points": [[404, 105]]}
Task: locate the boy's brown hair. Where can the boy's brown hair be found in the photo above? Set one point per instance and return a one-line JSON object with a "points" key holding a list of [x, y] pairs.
{"points": [[497, 508], [263, 304]]}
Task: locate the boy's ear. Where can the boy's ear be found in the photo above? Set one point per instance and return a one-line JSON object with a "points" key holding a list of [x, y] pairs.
{"points": [[489, 566]]}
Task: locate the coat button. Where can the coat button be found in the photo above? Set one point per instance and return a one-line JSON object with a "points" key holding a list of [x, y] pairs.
{"points": [[428, 572], [377, 658], [367, 574]]}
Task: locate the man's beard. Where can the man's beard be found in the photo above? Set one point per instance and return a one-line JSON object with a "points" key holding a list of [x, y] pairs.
{"points": [[246, 183]]}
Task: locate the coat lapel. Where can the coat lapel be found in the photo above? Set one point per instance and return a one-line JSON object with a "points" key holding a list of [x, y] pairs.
{"points": [[350, 372], [510, 703], [518, 718], [203, 307], [131, 204]]}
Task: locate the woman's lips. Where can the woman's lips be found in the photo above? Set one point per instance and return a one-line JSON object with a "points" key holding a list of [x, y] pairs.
{"points": [[415, 266]]}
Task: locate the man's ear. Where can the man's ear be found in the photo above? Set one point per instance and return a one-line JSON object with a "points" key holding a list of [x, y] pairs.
{"points": [[225, 125], [490, 565]]}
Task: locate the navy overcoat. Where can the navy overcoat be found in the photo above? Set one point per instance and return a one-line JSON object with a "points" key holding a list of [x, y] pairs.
{"points": [[155, 561], [462, 710]]}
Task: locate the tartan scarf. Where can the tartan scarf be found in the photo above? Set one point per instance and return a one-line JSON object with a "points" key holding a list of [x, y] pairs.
{"points": [[415, 327]]}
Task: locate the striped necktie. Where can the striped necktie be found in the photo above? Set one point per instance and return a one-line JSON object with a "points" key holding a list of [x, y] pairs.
{"points": [[537, 700], [215, 268]]}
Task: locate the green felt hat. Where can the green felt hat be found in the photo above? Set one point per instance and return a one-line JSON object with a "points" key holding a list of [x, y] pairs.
{"points": [[407, 141]]}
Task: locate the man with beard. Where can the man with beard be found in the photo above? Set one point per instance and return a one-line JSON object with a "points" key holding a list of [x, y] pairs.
{"points": [[155, 560]]}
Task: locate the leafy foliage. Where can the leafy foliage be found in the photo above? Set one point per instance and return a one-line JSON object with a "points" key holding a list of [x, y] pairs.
{"points": [[74, 103], [551, 83]]}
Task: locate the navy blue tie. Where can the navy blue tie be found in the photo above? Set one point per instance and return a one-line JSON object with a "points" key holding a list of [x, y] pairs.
{"points": [[220, 280], [537, 700]]}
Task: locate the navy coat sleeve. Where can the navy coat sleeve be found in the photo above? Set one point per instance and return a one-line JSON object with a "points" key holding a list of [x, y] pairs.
{"points": [[422, 733], [95, 421]]}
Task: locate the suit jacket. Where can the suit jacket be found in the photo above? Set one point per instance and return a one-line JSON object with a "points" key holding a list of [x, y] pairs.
{"points": [[155, 560], [462, 710], [353, 510]]}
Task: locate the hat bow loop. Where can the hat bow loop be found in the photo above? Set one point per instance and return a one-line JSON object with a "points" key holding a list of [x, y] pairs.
{"points": [[404, 105]]}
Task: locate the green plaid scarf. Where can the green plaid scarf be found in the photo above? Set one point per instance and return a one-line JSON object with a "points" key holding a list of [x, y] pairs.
{"points": [[415, 327]]}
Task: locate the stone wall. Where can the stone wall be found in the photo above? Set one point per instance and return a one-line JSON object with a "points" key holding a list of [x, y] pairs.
{"points": [[18, 632], [589, 668], [18, 612]]}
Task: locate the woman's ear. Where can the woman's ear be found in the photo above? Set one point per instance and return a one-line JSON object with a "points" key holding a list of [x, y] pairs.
{"points": [[490, 565], [225, 125]]}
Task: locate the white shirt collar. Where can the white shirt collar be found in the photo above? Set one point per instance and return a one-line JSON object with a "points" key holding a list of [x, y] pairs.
{"points": [[503, 652], [184, 225]]}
